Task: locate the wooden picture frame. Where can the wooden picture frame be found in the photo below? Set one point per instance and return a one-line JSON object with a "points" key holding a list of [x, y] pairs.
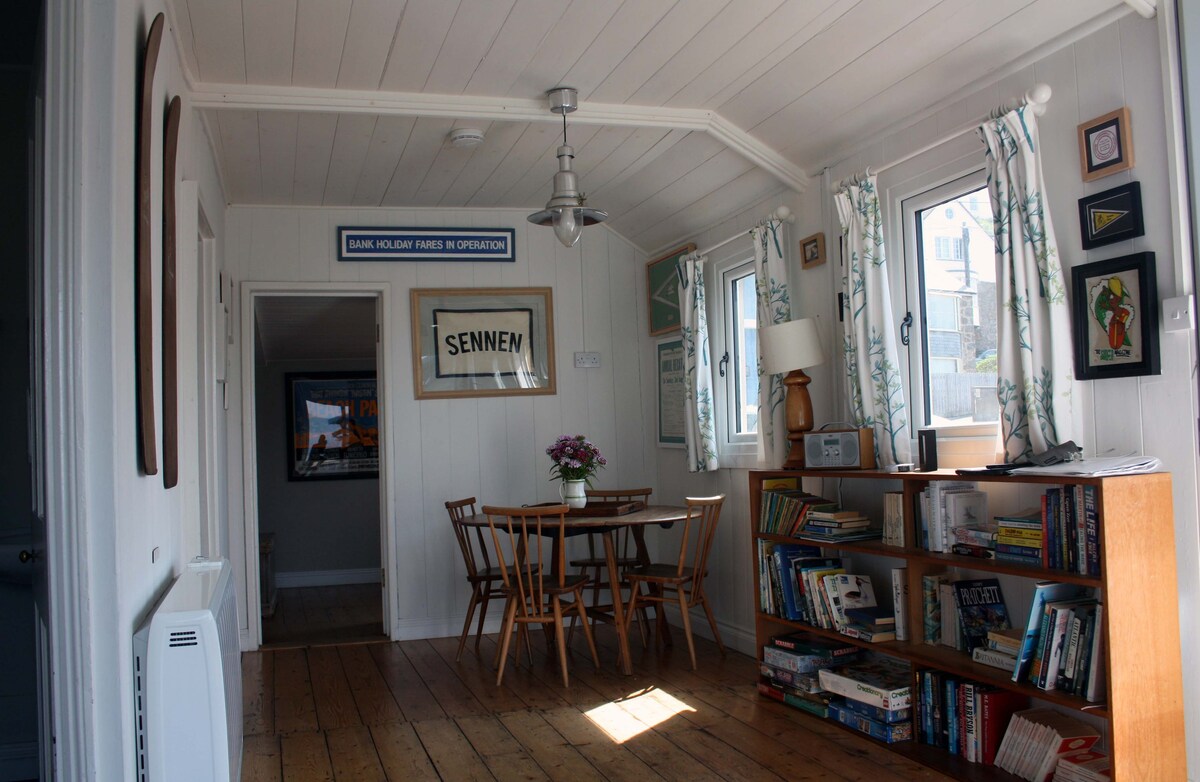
{"points": [[471, 342], [672, 360], [1106, 145], [170, 299], [812, 250], [144, 260], [332, 426], [1114, 317], [1112, 216], [662, 290]]}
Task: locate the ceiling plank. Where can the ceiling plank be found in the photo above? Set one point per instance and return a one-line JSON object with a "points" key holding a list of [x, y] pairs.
{"points": [[528, 148], [277, 133], [239, 141], [179, 21], [487, 157], [709, 177], [475, 28], [536, 186], [755, 185], [314, 145], [218, 35], [558, 52], [670, 35], [351, 141], [517, 43], [628, 26], [320, 39], [383, 155], [271, 29], [642, 146], [418, 41], [622, 194], [447, 165], [428, 135], [373, 26]]}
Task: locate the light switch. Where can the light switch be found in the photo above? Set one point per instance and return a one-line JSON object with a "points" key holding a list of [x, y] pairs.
{"points": [[588, 360], [1177, 314]]}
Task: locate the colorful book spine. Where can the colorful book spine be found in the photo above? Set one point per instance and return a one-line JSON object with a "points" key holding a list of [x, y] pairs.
{"points": [[900, 601]]}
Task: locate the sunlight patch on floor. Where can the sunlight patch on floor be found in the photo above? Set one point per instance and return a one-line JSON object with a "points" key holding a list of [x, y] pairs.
{"points": [[636, 713]]}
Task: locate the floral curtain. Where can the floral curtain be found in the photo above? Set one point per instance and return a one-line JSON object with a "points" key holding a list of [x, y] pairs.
{"points": [[773, 306], [700, 434], [1034, 340], [876, 395]]}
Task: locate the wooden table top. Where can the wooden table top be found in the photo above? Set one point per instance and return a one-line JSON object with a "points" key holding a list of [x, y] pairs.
{"points": [[653, 514]]}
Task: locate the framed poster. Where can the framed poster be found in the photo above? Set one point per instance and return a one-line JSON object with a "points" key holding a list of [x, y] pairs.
{"points": [[671, 385], [1114, 314], [482, 342], [1111, 216], [1105, 145], [662, 290], [333, 425]]}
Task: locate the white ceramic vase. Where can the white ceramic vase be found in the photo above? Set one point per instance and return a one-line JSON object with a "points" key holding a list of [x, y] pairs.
{"points": [[573, 493]]}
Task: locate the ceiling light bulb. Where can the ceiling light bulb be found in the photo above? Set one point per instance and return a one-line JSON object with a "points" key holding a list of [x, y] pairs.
{"points": [[568, 225]]}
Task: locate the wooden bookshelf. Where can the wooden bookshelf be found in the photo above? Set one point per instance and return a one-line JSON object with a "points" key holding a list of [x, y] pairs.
{"points": [[1137, 585]]}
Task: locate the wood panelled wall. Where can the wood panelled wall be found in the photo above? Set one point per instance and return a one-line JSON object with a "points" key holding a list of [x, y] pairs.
{"points": [[491, 448]]}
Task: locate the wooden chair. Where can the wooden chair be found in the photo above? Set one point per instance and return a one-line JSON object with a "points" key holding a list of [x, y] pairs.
{"points": [[483, 579], [595, 563], [678, 581], [535, 582]]}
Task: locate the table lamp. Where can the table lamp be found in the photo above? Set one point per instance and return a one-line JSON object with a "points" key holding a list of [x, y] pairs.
{"points": [[789, 348]]}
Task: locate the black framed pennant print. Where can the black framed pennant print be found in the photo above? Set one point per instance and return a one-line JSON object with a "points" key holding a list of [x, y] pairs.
{"points": [[1111, 216]]}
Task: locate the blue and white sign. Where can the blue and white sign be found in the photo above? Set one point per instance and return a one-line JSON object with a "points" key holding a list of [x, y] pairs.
{"points": [[426, 244]]}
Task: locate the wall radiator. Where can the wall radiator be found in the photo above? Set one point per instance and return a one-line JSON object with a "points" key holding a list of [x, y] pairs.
{"points": [[188, 679]]}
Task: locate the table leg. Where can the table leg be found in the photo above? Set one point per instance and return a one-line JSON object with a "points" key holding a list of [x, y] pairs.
{"points": [[624, 660], [660, 618]]}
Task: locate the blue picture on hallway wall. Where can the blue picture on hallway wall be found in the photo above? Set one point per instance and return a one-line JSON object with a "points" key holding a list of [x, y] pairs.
{"points": [[333, 425]]}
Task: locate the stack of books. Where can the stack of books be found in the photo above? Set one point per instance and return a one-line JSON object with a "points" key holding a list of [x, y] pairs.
{"points": [[876, 698], [853, 610], [784, 510], [1000, 649], [789, 670], [1062, 647], [975, 540], [1037, 738], [1086, 766], [838, 525], [964, 717], [893, 518], [1020, 539]]}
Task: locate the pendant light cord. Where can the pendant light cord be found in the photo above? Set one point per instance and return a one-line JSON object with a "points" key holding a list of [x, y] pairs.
{"points": [[564, 116]]}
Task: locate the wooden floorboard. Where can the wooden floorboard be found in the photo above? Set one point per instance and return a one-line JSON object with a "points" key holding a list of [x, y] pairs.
{"points": [[408, 711]]}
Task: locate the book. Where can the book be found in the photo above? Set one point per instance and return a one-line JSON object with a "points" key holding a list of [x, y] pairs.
{"points": [[986, 656], [893, 518], [969, 550], [884, 682], [835, 515], [996, 709], [963, 508], [931, 607], [1057, 616], [847, 591], [900, 601], [1086, 766], [1043, 591], [804, 704], [871, 616], [980, 606], [806, 682], [951, 627]]}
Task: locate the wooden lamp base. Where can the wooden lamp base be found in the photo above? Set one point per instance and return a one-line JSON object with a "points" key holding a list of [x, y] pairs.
{"points": [[798, 416]]}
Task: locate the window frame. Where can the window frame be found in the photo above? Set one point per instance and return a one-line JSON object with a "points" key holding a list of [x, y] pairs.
{"points": [[733, 449]]}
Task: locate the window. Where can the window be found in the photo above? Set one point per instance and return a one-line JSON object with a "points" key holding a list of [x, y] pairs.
{"points": [[950, 277], [734, 334]]}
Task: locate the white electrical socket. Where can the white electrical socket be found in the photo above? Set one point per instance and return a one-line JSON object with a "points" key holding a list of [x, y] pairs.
{"points": [[589, 360], [1177, 314]]}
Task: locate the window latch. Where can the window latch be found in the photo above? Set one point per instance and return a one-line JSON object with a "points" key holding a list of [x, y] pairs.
{"points": [[721, 364], [905, 327]]}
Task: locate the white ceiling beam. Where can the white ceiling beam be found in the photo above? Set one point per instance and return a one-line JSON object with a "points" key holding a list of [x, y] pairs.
{"points": [[474, 107], [1147, 8]]}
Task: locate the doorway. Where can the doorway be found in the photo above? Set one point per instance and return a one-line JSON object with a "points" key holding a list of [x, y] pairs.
{"points": [[315, 393]]}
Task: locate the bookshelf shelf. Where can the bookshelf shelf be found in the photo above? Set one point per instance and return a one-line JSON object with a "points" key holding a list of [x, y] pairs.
{"points": [[1144, 709]]}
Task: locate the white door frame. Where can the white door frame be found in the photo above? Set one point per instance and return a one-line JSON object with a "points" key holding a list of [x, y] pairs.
{"points": [[381, 292]]}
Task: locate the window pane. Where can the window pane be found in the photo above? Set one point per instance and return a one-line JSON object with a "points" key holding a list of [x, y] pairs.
{"points": [[958, 272], [744, 361]]}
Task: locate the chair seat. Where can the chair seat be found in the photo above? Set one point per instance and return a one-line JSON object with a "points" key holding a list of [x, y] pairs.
{"points": [[492, 573], [663, 573], [570, 584], [623, 562]]}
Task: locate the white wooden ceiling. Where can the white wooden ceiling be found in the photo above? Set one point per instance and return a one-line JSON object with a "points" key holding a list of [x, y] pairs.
{"points": [[688, 108], [315, 328]]}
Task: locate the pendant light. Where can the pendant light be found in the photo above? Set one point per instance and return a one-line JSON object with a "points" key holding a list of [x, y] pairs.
{"points": [[565, 209]]}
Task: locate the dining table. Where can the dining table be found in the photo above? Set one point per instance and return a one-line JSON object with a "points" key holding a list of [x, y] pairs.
{"points": [[578, 522]]}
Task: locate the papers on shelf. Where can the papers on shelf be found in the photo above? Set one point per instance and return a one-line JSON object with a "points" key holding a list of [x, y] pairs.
{"points": [[1096, 467]]}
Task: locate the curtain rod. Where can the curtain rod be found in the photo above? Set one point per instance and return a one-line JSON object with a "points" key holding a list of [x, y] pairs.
{"points": [[780, 213], [1036, 99]]}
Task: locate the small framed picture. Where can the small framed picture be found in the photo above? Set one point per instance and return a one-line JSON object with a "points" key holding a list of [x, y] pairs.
{"points": [[1106, 145], [662, 290], [1114, 314], [1111, 216], [812, 251], [333, 425], [671, 385]]}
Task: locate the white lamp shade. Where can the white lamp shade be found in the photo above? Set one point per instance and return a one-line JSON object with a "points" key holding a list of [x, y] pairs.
{"points": [[791, 345]]}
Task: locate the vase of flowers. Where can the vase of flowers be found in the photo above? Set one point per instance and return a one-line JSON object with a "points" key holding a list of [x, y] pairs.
{"points": [[574, 460]]}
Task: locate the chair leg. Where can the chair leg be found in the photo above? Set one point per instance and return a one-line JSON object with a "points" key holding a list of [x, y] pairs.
{"points": [[466, 631], [712, 622], [560, 638], [587, 628], [510, 615], [687, 625], [484, 599]]}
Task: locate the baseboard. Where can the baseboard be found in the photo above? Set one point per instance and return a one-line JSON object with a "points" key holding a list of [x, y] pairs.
{"points": [[19, 760], [316, 578]]}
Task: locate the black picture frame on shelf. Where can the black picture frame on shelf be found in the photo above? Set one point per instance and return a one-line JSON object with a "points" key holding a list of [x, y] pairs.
{"points": [[1114, 317], [1112, 216]]}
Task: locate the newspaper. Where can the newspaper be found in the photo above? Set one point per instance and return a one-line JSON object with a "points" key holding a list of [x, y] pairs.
{"points": [[1096, 467]]}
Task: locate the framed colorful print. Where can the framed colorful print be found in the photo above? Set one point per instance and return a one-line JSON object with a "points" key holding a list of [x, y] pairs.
{"points": [[812, 251], [671, 407], [482, 342], [1106, 145], [1114, 314], [333, 425], [1111, 216], [662, 290]]}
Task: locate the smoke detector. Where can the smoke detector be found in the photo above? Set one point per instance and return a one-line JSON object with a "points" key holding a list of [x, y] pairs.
{"points": [[465, 137]]}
